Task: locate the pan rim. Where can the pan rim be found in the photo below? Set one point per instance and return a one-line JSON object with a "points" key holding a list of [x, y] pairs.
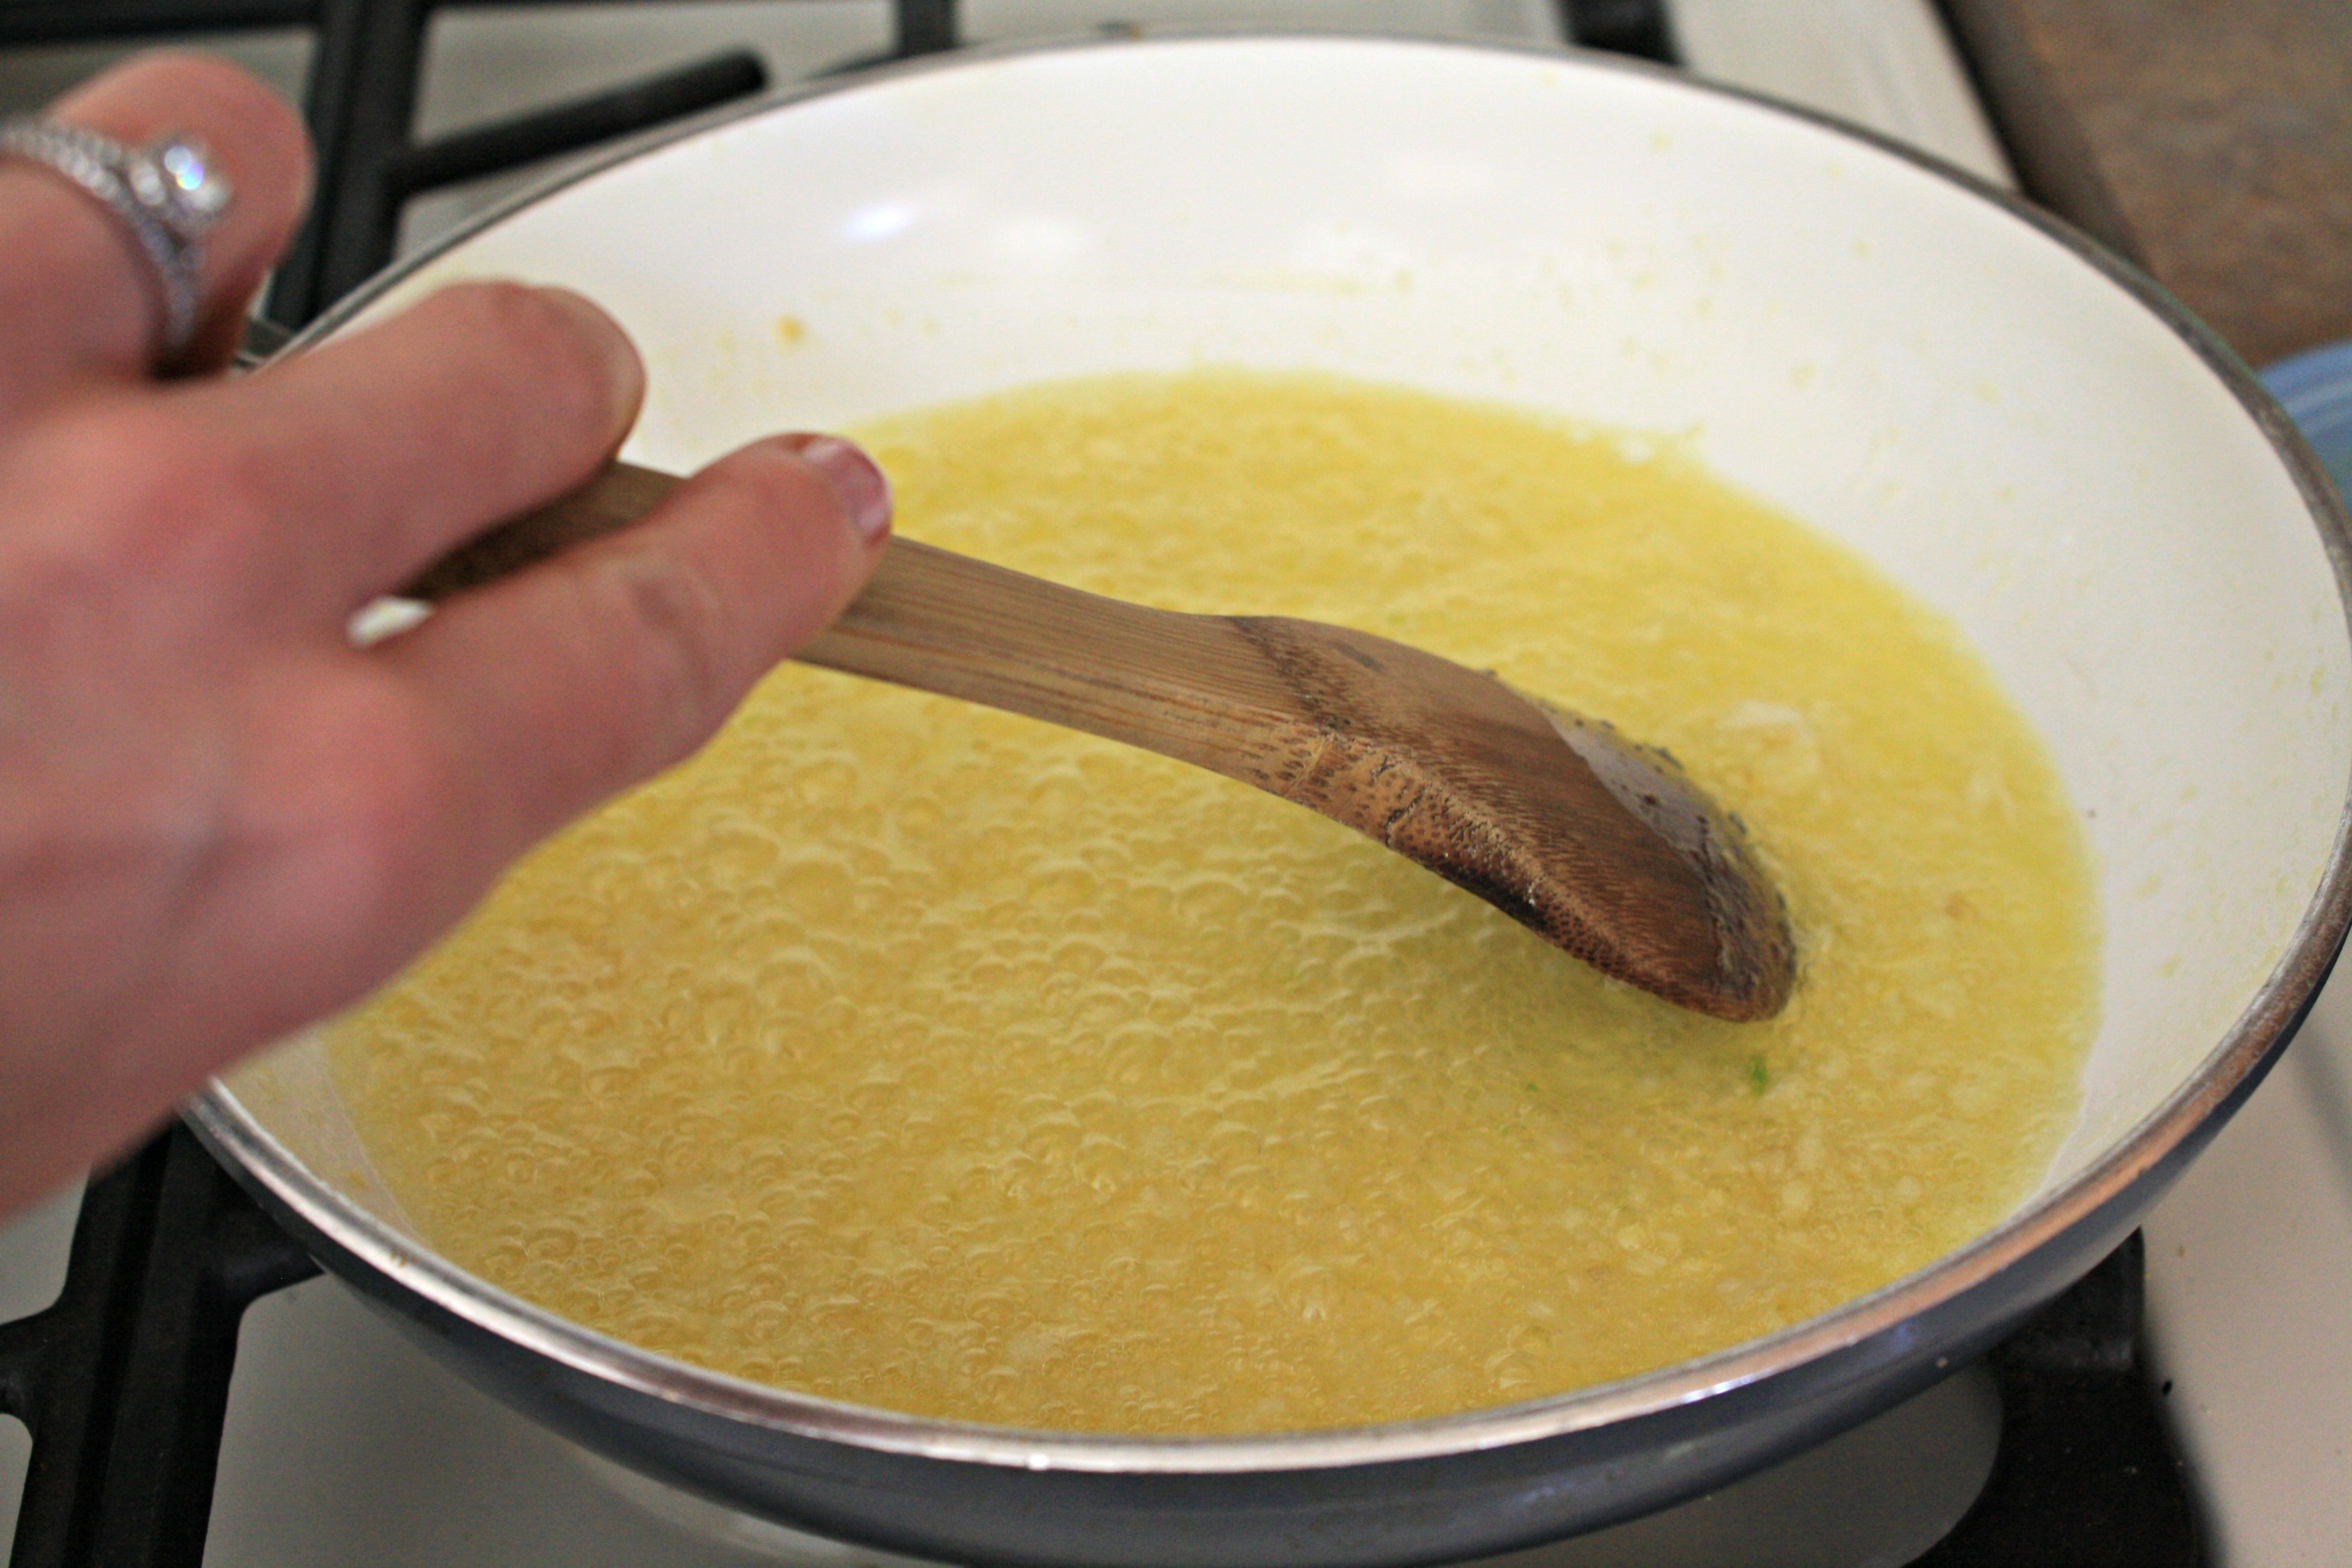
{"points": [[2243, 1050]]}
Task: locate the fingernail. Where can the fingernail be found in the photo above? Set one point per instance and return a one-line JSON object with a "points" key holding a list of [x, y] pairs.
{"points": [[624, 371], [857, 482]]}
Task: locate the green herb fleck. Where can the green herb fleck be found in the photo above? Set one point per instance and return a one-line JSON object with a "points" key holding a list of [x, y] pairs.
{"points": [[1760, 1077]]}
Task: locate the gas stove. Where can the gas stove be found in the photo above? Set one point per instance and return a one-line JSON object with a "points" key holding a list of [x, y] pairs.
{"points": [[316, 1434]]}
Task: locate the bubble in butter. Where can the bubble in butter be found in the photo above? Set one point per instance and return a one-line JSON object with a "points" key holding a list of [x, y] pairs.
{"points": [[923, 1057]]}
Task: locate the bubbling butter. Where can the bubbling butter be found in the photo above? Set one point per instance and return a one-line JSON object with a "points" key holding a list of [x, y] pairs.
{"points": [[919, 1055]]}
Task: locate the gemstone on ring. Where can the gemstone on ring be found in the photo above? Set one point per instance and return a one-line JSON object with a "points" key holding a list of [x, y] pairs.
{"points": [[175, 178], [203, 190], [185, 164]]}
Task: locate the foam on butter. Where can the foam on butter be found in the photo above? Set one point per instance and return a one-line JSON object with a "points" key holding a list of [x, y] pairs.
{"points": [[932, 1058]]}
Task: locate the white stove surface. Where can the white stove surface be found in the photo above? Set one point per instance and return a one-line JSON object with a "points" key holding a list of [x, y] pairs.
{"points": [[346, 1445]]}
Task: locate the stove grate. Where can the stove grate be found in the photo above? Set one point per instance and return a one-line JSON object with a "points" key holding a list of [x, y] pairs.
{"points": [[123, 1381], [2087, 1475]]}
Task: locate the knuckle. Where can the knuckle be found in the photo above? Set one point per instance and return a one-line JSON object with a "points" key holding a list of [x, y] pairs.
{"points": [[567, 372], [259, 114], [776, 484], [676, 631], [790, 532], [197, 81], [144, 464], [138, 495], [381, 799], [182, 78]]}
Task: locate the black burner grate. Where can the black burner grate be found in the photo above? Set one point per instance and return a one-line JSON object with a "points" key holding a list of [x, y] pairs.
{"points": [[124, 1383], [2087, 1475]]}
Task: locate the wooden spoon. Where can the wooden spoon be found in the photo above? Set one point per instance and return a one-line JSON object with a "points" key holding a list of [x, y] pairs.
{"points": [[1600, 845]]}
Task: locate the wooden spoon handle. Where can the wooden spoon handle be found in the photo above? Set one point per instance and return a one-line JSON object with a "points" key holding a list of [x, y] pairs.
{"points": [[1189, 687], [1561, 824]]}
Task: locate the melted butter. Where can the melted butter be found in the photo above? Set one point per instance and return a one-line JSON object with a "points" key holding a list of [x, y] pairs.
{"points": [[923, 1057]]}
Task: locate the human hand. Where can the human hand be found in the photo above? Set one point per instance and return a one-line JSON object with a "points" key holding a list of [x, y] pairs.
{"points": [[218, 818]]}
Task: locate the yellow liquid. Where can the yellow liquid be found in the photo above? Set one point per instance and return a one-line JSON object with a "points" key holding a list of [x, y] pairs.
{"points": [[920, 1056]]}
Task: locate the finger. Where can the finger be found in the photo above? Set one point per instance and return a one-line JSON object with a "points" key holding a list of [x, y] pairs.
{"points": [[82, 298], [598, 669], [371, 455]]}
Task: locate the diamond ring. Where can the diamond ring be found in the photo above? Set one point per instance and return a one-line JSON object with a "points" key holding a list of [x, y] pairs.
{"points": [[168, 195]]}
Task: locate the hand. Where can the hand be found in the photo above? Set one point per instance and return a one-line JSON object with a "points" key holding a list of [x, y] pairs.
{"points": [[218, 819]]}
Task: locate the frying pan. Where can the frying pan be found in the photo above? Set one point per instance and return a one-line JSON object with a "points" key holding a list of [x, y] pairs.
{"points": [[2014, 424]]}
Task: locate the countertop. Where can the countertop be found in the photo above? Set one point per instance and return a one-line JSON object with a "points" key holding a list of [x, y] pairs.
{"points": [[2211, 141]]}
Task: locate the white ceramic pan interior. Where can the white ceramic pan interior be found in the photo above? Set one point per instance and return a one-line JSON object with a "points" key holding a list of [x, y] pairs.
{"points": [[1947, 386]]}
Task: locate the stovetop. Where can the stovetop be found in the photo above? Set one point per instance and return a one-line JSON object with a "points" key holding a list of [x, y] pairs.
{"points": [[343, 1443]]}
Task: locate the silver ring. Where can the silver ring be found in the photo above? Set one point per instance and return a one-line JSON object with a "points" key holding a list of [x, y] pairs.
{"points": [[166, 194]]}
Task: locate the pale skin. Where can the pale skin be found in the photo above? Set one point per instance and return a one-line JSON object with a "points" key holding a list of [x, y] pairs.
{"points": [[219, 819]]}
